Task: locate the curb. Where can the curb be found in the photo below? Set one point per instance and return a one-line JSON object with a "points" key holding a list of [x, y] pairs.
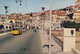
{"points": [[75, 51], [44, 41], [4, 33]]}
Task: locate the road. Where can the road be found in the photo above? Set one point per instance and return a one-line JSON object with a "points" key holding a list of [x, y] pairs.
{"points": [[28, 42]]}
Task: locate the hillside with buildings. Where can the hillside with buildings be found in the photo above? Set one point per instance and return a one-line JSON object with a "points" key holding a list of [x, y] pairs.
{"points": [[41, 19]]}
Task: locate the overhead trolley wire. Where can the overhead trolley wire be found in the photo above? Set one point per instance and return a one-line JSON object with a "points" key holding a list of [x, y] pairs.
{"points": [[25, 4]]}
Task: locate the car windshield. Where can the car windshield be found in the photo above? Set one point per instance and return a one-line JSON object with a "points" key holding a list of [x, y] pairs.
{"points": [[15, 28]]}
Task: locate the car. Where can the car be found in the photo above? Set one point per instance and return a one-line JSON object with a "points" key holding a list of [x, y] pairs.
{"points": [[16, 31], [34, 30]]}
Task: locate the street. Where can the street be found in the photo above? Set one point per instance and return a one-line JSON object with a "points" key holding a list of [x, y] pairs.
{"points": [[28, 42]]}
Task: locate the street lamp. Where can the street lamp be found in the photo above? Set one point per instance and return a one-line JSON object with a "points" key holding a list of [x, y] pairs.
{"points": [[50, 27], [6, 11], [42, 16], [6, 7], [43, 8]]}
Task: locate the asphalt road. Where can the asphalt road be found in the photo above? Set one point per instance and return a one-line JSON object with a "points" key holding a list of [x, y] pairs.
{"points": [[28, 42]]}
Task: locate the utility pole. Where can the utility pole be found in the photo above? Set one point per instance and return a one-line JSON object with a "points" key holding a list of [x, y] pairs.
{"points": [[42, 16], [6, 11], [50, 27]]}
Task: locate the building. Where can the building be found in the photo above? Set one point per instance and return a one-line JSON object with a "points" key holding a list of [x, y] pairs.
{"points": [[77, 2], [76, 17], [16, 22]]}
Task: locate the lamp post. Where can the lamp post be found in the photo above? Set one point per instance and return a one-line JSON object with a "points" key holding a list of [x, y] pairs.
{"points": [[43, 8], [50, 27], [42, 16], [6, 11]]}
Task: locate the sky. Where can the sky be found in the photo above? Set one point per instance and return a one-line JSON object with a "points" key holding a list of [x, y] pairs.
{"points": [[29, 6]]}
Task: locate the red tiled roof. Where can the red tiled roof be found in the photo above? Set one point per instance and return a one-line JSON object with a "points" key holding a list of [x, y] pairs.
{"points": [[78, 0], [15, 19], [53, 12], [60, 13], [29, 19], [34, 13], [57, 12], [76, 5]]}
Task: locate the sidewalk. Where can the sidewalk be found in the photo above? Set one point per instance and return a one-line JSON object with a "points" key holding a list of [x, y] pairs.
{"points": [[4, 33], [55, 49]]}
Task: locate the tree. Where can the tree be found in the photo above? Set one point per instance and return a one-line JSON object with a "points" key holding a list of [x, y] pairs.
{"points": [[1, 26], [68, 24], [64, 9], [70, 15]]}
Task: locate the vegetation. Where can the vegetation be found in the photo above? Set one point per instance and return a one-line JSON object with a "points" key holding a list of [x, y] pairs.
{"points": [[1, 26], [70, 16], [68, 24]]}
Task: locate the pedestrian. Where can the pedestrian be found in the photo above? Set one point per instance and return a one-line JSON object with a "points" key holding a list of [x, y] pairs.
{"points": [[48, 32]]}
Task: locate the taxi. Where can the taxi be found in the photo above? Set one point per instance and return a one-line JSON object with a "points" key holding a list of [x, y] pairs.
{"points": [[16, 31]]}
